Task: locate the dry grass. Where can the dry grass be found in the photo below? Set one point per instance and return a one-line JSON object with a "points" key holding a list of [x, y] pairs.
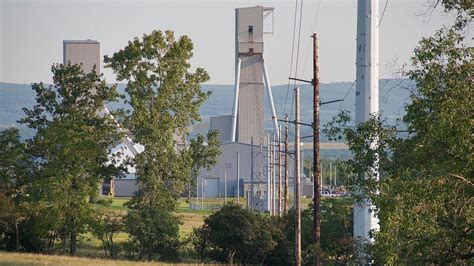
{"points": [[21, 259]]}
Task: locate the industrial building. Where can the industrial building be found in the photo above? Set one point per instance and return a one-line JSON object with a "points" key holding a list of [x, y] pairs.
{"points": [[244, 142], [87, 54], [244, 161]]}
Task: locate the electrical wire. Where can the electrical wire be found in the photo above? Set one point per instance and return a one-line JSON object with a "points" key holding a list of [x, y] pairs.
{"points": [[297, 52], [309, 44], [383, 12], [347, 93], [291, 60]]}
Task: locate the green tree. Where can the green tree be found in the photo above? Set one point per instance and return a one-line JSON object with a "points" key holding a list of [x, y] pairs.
{"points": [[199, 239], [165, 98], [424, 197], [71, 144], [204, 155], [105, 226], [16, 171], [236, 233]]}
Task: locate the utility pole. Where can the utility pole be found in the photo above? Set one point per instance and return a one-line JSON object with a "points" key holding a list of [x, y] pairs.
{"points": [[274, 191], [297, 180], [285, 191], [279, 170], [202, 193], [251, 173], [269, 200], [330, 175], [316, 152], [225, 187], [238, 177], [197, 192]]}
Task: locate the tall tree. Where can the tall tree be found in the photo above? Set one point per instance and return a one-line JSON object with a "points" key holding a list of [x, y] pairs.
{"points": [[165, 98], [16, 170], [72, 143], [425, 196]]}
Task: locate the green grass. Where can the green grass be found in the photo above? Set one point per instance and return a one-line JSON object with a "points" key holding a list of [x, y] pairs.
{"points": [[92, 247]]}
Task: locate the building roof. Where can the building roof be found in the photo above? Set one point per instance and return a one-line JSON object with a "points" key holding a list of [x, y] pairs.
{"points": [[88, 41]]}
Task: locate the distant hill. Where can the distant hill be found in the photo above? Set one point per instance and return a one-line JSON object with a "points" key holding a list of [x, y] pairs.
{"points": [[393, 96]]}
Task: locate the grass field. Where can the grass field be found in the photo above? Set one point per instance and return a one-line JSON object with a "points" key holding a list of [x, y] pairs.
{"points": [[90, 248], [23, 259]]}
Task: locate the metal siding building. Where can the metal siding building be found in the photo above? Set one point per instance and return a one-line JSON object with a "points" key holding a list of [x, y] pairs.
{"points": [[222, 123], [124, 187], [227, 166], [85, 52]]}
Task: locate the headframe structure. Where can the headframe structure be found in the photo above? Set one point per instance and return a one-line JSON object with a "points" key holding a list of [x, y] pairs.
{"points": [[251, 76]]}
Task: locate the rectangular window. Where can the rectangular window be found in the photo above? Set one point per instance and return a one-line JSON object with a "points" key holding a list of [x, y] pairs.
{"points": [[250, 30]]}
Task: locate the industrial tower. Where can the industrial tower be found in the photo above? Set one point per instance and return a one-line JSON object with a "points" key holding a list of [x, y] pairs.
{"points": [[367, 100], [250, 74]]}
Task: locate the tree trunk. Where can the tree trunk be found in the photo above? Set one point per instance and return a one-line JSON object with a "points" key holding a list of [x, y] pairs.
{"points": [[73, 249], [17, 236], [231, 257], [65, 240]]}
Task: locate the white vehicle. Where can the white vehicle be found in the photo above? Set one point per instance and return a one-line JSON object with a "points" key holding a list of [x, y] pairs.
{"points": [[327, 193]]}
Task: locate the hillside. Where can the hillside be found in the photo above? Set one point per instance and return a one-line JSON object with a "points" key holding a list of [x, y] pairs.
{"points": [[393, 96]]}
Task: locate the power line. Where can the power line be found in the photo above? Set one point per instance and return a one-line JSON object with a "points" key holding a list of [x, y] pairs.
{"points": [[383, 12], [292, 53], [314, 30], [347, 93], [297, 51]]}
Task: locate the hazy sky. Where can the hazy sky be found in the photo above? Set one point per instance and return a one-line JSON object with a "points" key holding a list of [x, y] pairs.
{"points": [[32, 32]]}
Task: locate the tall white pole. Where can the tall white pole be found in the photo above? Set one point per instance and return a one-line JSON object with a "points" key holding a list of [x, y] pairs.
{"points": [[202, 193], [367, 100], [330, 175], [197, 192], [236, 100], [270, 97], [238, 177]]}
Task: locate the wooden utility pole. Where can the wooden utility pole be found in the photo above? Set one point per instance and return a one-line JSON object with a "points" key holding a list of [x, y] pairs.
{"points": [[279, 170], [297, 180], [316, 152], [251, 174], [275, 193], [272, 202], [285, 191]]}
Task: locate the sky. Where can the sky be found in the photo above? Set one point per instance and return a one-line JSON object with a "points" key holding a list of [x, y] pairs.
{"points": [[32, 31]]}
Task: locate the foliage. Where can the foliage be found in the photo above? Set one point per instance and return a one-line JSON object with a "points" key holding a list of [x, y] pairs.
{"points": [[424, 196], [234, 233], [71, 145], [204, 156], [16, 170], [200, 241], [153, 233], [165, 98], [104, 227]]}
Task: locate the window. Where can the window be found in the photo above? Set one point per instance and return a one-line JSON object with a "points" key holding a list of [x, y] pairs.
{"points": [[250, 30]]}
